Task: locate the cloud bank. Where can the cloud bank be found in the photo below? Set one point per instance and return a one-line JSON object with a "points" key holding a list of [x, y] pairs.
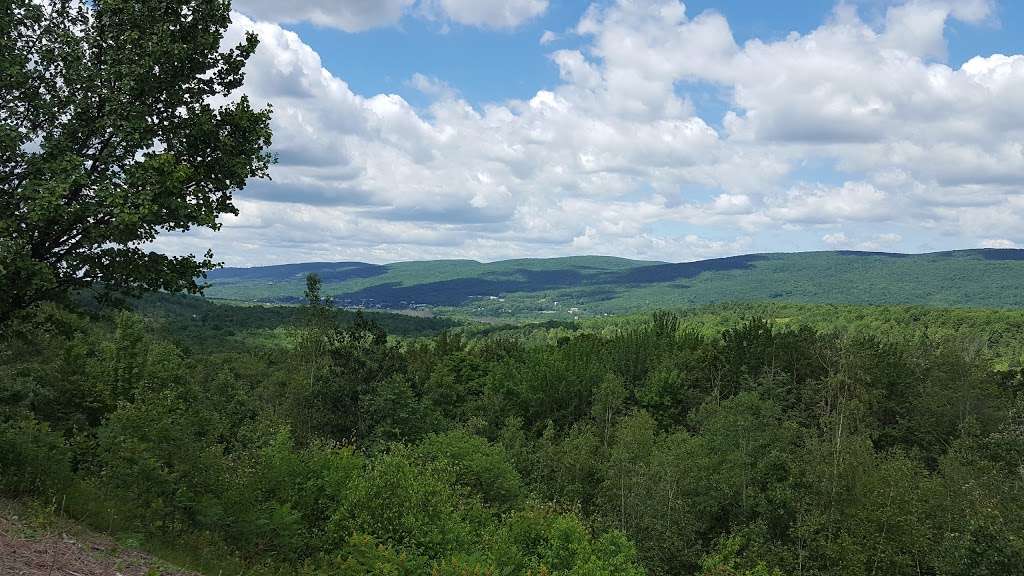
{"points": [[361, 15], [851, 135]]}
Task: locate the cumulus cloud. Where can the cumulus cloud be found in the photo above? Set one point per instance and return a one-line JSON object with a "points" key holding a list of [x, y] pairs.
{"points": [[842, 84], [432, 86], [876, 243], [486, 13], [360, 15], [347, 15], [836, 240], [822, 204], [615, 157], [917, 27], [999, 243]]}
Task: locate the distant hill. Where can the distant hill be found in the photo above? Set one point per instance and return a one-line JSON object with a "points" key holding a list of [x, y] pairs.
{"points": [[584, 286]]}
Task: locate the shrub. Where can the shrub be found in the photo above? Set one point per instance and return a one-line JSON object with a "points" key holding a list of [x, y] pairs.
{"points": [[34, 460]]}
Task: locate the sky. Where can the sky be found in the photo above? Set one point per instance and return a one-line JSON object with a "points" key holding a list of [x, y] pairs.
{"points": [[650, 129]]}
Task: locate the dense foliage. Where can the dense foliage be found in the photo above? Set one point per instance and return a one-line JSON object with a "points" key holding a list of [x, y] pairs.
{"points": [[752, 440], [193, 322], [117, 121], [716, 444]]}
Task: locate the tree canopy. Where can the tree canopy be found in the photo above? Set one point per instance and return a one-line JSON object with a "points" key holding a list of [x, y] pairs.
{"points": [[119, 119], [655, 445]]}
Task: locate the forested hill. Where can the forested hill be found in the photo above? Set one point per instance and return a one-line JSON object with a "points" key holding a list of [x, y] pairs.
{"points": [[594, 285]]}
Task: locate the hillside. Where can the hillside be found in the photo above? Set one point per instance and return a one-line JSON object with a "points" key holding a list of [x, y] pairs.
{"points": [[593, 285], [728, 440]]}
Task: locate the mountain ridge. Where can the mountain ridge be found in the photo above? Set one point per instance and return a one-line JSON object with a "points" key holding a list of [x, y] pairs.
{"points": [[984, 277], [1016, 253]]}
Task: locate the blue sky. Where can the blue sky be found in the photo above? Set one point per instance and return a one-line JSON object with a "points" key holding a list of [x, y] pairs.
{"points": [[642, 128], [488, 65]]}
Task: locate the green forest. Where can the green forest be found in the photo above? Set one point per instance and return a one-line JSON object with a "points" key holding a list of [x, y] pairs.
{"points": [[833, 419], [732, 440], [590, 286]]}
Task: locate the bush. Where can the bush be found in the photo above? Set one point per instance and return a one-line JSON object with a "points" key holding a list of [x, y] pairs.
{"points": [[482, 467], [412, 508], [162, 452], [539, 541], [34, 459]]}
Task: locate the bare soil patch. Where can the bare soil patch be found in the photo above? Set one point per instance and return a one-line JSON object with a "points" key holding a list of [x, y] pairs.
{"points": [[59, 548]]}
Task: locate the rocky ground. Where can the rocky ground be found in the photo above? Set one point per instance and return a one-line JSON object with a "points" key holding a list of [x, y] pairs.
{"points": [[34, 547]]}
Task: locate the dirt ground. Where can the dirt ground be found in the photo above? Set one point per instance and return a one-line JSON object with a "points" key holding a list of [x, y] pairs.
{"points": [[63, 549]]}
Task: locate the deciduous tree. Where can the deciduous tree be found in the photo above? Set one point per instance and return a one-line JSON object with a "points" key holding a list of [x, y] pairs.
{"points": [[119, 120]]}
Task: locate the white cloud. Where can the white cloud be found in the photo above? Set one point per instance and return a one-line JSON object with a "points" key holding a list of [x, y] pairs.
{"points": [[880, 242], [836, 240], [821, 204], [547, 38], [615, 158], [347, 15], [876, 243], [917, 27], [360, 15], [999, 243], [432, 86], [487, 13]]}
